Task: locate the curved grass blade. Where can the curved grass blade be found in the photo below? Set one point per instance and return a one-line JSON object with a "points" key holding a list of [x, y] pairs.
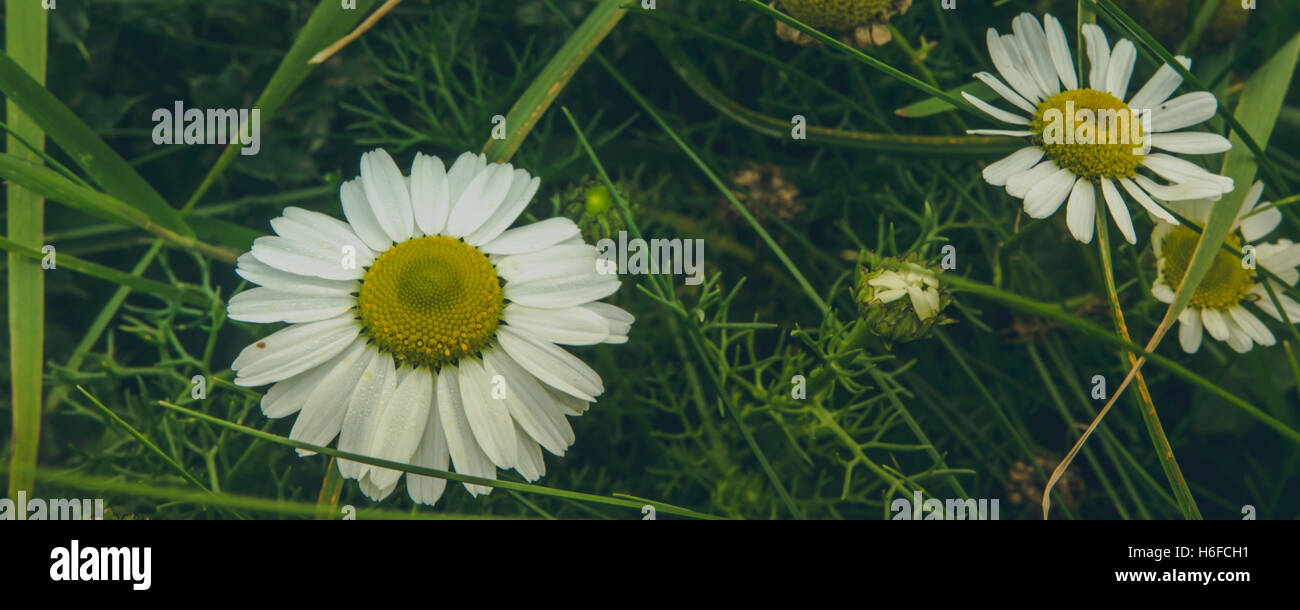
{"points": [[100, 162], [441, 474]]}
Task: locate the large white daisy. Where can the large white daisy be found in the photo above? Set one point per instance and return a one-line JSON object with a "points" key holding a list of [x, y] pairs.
{"points": [[1218, 305], [1063, 164], [424, 329]]}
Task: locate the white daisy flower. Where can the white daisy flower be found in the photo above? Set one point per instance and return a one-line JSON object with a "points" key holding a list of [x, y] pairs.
{"points": [[422, 329], [1218, 304], [1101, 146], [913, 282]]}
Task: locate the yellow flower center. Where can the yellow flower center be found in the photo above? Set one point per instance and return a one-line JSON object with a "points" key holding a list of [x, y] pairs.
{"points": [[431, 301], [837, 15], [1104, 137], [1227, 283]]}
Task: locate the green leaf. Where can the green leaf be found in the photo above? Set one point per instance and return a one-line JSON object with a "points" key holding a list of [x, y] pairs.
{"points": [[936, 105], [100, 162]]}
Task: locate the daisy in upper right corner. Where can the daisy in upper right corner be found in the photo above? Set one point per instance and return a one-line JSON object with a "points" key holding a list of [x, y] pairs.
{"points": [[1084, 138], [1218, 306]]}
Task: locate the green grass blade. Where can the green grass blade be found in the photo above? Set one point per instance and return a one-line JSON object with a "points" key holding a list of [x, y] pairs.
{"points": [[54, 186], [100, 162], [169, 292], [25, 34], [328, 22], [1257, 111], [539, 96]]}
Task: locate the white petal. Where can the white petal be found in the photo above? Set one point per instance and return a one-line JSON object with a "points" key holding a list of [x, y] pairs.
{"points": [[1191, 142], [1189, 330], [325, 232], [554, 262], [1252, 198], [1252, 326], [430, 199], [994, 111], [388, 194], [533, 237], [1118, 210], [1034, 52], [531, 466], [1015, 163], [1184, 111], [1012, 73], [480, 199], [264, 305], [1018, 185], [366, 403], [292, 350], [287, 397], [1259, 225], [295, 257], [1215, 324], [531, 407], [1081, 212], [1060, 50], [1046, 196], [1120, 69], [361, 216], [1162, 85], [555, 293], [567, 326], [570, 405], [1177, 192], [432, 453], [466, 455], [619, 321], [400, 427], [325, 402], [1279, 257], [1145, 201], [1098, 55], [1181, 171], [1006, 92], [488, 416], [1163, 293], [1238, 339], [522, 189], [551, 364], [467, 166], [257, 272]]}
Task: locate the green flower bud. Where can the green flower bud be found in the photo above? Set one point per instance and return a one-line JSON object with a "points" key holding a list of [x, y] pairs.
{"points": [[590, 204], [900, 299]]}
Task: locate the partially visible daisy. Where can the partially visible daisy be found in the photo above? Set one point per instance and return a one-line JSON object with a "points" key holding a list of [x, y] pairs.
{"points": [[1038, 64], [1218, 304], [423, 329]]}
